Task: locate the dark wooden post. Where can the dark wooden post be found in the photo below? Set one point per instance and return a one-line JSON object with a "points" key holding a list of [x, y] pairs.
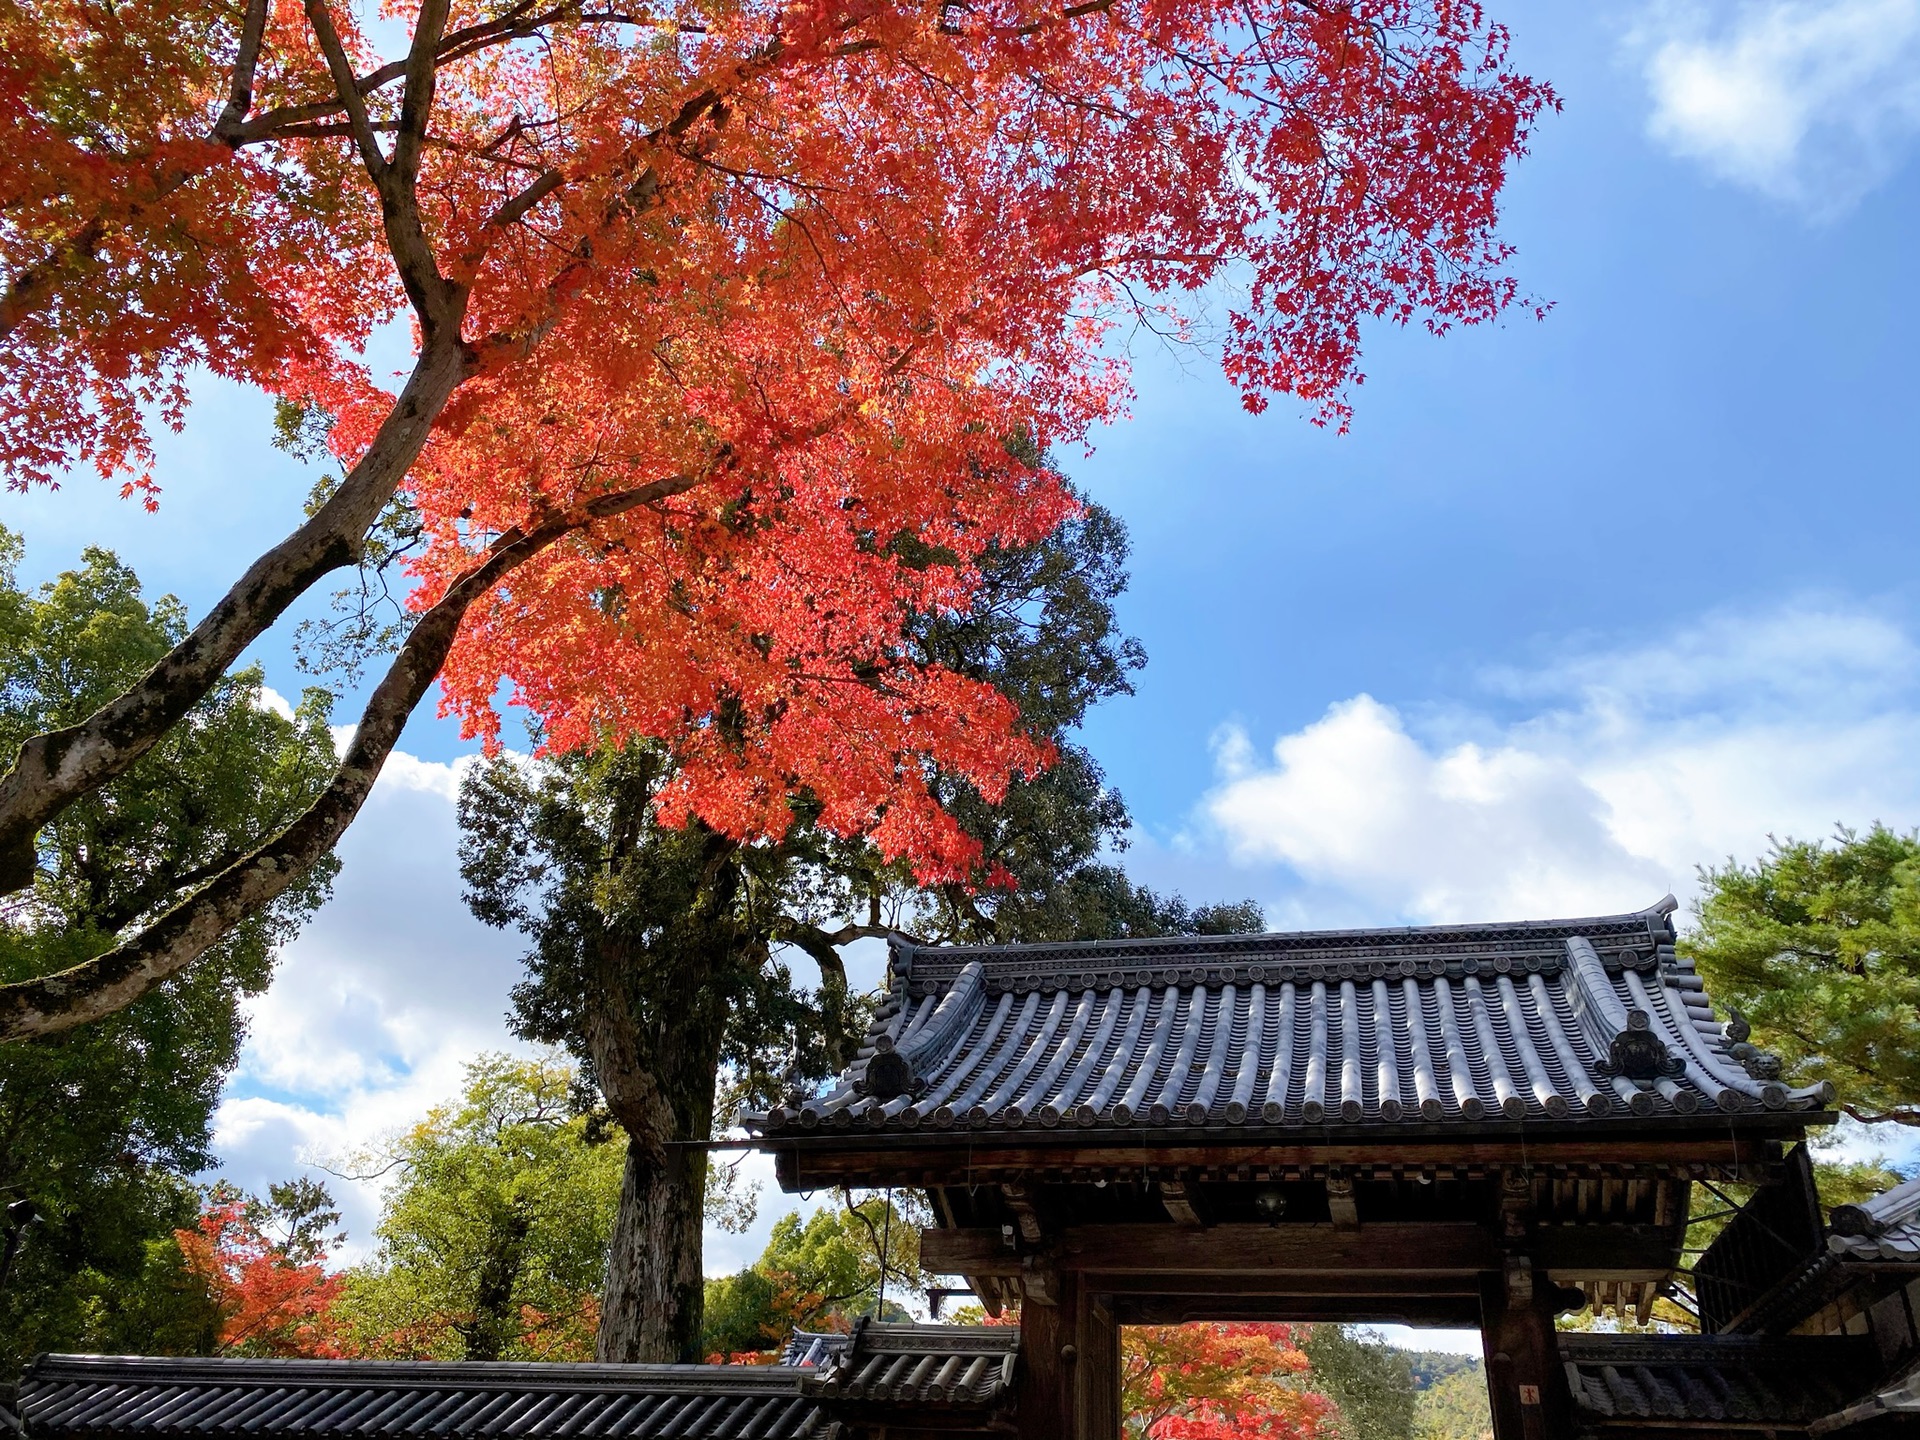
{"points": [[1044, 1382], [1097, 1369], [1526, 1382], [1068, 1383]]}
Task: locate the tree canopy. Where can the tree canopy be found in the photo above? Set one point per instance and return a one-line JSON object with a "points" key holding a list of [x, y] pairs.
{"points": [[820, 1272], [101, 1128], [1217, 1381], [724, 318], [1817, 945], [492, 1238]]}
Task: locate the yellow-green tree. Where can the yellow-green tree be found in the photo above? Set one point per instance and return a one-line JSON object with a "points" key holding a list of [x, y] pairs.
{"points": [[820, 1272], [492, 1241]]}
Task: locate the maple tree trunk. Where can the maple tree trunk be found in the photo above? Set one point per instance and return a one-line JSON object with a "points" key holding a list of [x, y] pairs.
{"points": [[54, 769]]}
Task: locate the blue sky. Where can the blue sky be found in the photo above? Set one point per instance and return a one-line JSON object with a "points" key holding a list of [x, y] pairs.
{"points": [[1577, 604]]}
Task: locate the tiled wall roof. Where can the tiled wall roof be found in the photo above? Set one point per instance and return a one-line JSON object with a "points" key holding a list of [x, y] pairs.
{"points": [[92, 1395], [1735, 1380], [1886, 1227], [924, 1366], [930, 1367]]}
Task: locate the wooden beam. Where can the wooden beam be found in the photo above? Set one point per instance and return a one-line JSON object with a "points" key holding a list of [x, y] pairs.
{"points": [[807, 1163], [1458, 1311], [1430, 1248], [1183, 1204], [1291, 1284], [1579, 1250]]}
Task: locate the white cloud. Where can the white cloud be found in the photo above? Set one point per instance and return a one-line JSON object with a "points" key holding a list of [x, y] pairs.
{"points": [[379, 1004], [1633, 767], [1809, 101], [273, 700]]}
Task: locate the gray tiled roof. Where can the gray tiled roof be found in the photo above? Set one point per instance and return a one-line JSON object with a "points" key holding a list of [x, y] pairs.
{"points": [[950, 1367], [1450, 1024], [1886, 1227], [1731, 1379], [965, 1366], [95, 1396], [813, 1347]]}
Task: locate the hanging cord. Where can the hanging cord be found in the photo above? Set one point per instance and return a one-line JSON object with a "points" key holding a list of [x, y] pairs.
{"points": [[886, 1242]]}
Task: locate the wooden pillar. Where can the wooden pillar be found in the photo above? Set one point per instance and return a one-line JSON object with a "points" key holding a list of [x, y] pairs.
{"points": [[1526, 1382], [1097, 1369], [1044, 1379], [1067, 1386]]}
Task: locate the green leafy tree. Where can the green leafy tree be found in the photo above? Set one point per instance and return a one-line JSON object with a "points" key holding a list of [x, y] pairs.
{"points": [[100, 1126], [492, 1237], [660, 953], [821, 1272], [1369, 1382], [1818, 945]]}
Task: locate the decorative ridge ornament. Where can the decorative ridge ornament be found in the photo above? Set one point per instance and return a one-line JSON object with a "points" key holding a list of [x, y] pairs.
{"points": [[1761, 1064]]}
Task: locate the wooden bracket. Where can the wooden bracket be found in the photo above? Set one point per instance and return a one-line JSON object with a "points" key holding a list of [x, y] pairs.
{"points": [[1026, 1214], [1184, 1204], [1040, 1280], [1516, 1201], [1341, 1205], [1519, 1272]]}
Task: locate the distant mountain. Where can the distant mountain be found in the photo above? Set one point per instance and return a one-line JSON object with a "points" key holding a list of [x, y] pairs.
{"points": [[1430, 1367]]}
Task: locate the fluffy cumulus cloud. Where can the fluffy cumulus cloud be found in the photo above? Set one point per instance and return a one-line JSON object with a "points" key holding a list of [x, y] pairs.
{"points": [[1587, 786], [1810, 101]]}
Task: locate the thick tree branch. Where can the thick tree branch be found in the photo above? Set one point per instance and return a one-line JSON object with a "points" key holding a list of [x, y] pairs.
{"points": [[57, 768], [240, 89], [1901, 1115], [416, 101], [31, 288], [346, 87], [439, 304], [123, 974]]}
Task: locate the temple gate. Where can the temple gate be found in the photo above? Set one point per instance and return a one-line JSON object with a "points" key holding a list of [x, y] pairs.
{"points": [[1476, 1125]]}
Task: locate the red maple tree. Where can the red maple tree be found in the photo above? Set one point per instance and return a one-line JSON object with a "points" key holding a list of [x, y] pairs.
{"points": [[741, 328], [1218, 1381], [270, 1303]]}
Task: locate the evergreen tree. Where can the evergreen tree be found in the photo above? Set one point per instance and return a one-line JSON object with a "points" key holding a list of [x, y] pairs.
{"points": [[1818, 946], [101, 1126]]}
